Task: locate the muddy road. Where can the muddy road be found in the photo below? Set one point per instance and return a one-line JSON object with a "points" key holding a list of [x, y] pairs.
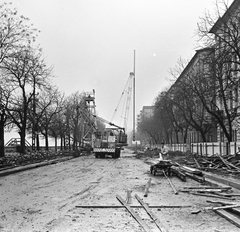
{"points": [[54, 198]]}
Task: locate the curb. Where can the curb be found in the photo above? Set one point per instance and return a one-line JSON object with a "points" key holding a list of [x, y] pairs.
{"points": [[32, 166]]}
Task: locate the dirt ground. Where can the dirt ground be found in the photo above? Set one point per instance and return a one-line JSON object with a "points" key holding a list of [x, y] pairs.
{"points": [[45, 199]]}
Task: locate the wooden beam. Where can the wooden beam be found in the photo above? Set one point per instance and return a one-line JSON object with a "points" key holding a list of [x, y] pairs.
{"points": [[207, 187], [221, 202], [132, 206], [195, 177], [211, 195], [228, 164], [134, 215], [202, 190], [176, 171], [198, 165], [191, 170], [227, 207], [147, 188], [225, 181], [230, 217], [170, 182], [151, 214]]}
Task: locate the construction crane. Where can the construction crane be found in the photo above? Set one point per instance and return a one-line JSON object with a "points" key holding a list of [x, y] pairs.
{"points": [[125, 101]]}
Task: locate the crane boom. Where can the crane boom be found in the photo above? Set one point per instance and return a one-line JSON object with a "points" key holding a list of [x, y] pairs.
{"points": [[110, 123]]}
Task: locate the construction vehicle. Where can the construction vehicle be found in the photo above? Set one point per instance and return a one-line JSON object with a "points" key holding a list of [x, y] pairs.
{"points": [[106, 141]]}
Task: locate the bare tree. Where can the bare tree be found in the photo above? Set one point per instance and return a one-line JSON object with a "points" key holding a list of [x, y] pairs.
{"points": [[25, 72], [15, 34], [223, 36], [188, 90], [49, 102]]}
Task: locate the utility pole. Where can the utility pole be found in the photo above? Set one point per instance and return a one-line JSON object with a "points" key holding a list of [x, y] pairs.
{"points": [[134, 75]]}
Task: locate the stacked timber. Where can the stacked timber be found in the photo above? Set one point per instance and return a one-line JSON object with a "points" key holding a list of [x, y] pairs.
{"points": [[227, 164]]}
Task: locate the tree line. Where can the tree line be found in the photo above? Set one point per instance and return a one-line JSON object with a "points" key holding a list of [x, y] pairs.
{"points": [[204, 92], [30, 103]]}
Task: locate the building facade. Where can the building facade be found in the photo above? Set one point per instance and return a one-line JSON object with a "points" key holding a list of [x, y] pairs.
{"points": [[212, 81]]}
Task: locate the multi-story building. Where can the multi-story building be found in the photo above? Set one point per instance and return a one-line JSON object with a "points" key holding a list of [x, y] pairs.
{"points": [[217, 67], [147, 111], [226, 31]]}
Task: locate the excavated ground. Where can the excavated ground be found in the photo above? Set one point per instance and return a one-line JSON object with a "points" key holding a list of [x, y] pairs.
{"points": [[54, 198]]}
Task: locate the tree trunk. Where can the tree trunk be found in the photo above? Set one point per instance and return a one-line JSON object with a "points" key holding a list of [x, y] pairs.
{"points": [[46, 141], [2, 151], [38, 142], [55, 143], [22, 136]]}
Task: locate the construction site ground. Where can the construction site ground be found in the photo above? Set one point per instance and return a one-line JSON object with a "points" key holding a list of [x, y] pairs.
{"points": [[80, 195]]}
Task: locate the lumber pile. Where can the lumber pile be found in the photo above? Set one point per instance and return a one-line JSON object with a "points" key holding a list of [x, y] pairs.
{"points": [[225, 164]]}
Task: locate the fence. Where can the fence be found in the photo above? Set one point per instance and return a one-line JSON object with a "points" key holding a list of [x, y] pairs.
{"points": [[207, 149], [179, 147]]}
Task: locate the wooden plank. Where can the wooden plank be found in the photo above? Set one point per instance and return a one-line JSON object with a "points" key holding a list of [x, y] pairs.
{"points": [[226, 207], [207, 187], [198, 165], [228, 164], [176, 171], [202, 190], [170, 182], [226, 181], [147, 188], [211, 195], [191, 170], [151, 214], [195, 177], [132, 206], [235, 211], [224, 203], [227, 194], [134, 215], [230, 217], [221, 202]]}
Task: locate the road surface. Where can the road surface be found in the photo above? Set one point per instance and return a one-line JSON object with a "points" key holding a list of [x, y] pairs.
{"points": [[52, 198]]}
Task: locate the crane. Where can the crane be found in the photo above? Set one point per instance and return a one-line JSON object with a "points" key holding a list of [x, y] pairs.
{"points": [[125, 99]]}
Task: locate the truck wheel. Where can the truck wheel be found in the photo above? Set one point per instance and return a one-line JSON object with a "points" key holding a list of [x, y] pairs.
{"points": [[117, 153]]}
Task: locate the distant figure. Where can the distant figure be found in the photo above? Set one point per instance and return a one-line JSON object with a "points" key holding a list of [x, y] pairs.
{"points": [[163, 152], [237, 156]]}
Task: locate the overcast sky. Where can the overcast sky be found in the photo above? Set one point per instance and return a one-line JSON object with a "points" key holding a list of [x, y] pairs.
{"points": [[91, 43]]}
